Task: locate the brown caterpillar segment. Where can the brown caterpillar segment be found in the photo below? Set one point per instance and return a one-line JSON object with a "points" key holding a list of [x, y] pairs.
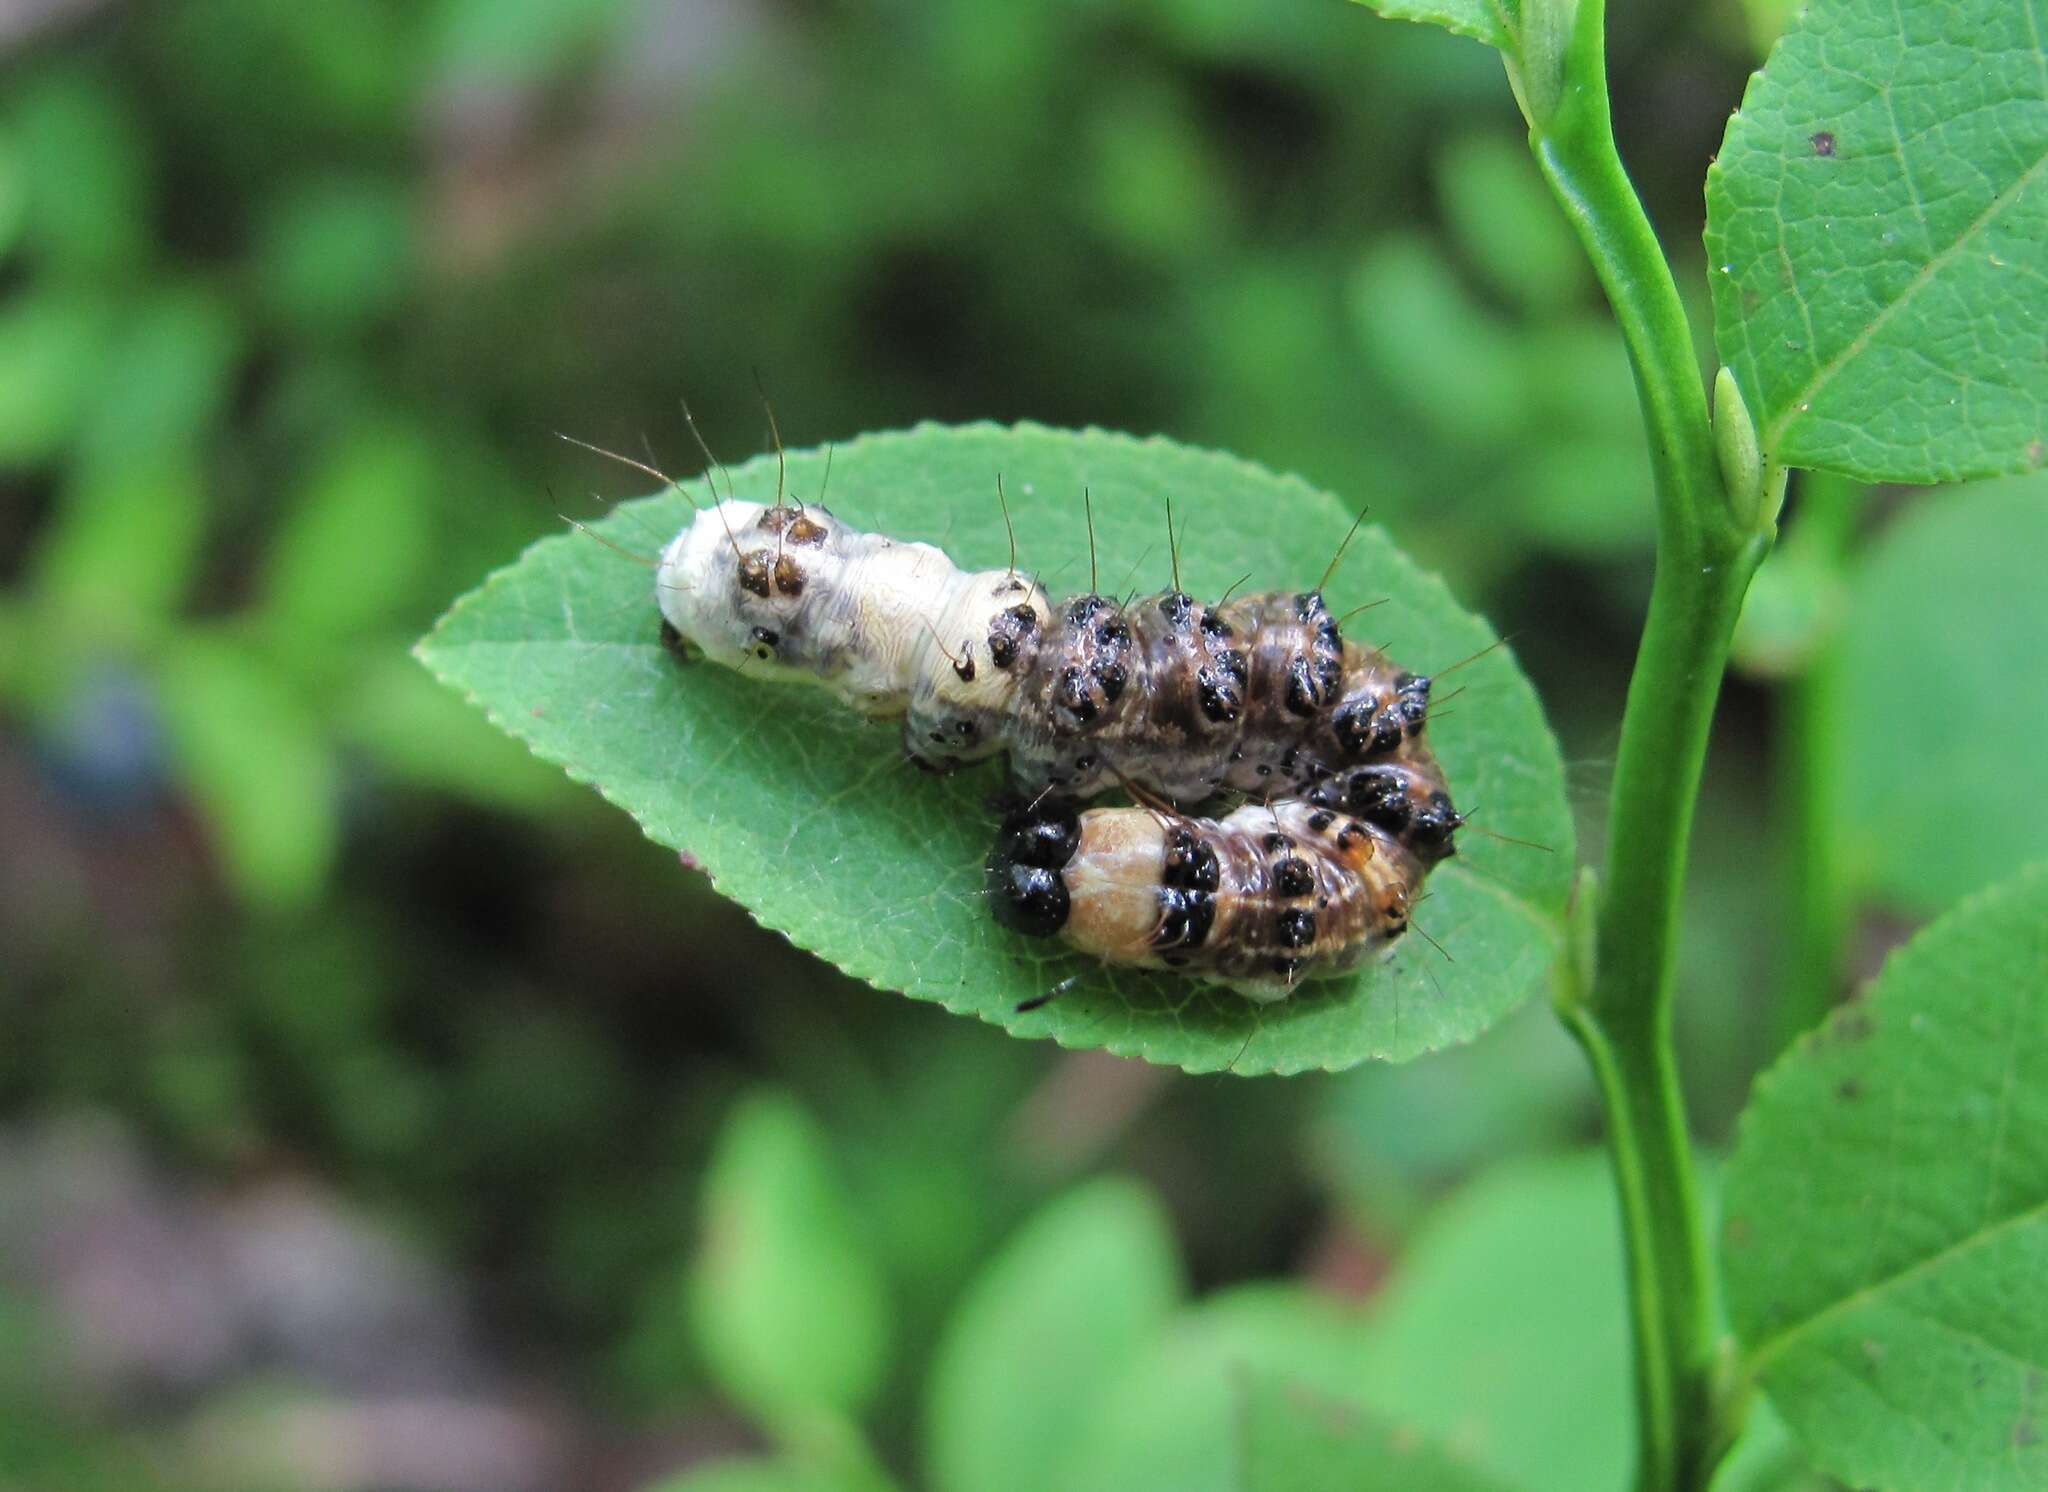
{"points": [[1259, 695], [1406, 798], [1259, 900]]}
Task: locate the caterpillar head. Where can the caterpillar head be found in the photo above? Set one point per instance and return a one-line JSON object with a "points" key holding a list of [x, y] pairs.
{"points": [[761, 588]]}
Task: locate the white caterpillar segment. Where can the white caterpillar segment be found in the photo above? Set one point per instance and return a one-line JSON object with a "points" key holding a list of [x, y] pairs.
{"points": [[796, 595]]}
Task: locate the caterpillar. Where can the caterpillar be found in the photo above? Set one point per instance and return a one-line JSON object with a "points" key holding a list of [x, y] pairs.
{"points": [[1259, 695], [1267, 896]]}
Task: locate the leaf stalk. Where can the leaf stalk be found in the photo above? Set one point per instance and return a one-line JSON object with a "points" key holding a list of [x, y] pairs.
{"points": [[1709, 543]]}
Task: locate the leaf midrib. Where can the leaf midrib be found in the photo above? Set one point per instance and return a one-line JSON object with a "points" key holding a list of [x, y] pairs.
{"points": [[1761, 1356], [1774, 433]]}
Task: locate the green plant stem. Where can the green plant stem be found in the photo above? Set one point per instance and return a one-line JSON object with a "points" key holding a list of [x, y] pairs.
{"points": [[1809, 788], [1705, 558]]}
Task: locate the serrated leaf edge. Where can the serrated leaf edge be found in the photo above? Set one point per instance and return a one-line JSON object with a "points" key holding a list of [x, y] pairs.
{"points": [[1905, 958]]}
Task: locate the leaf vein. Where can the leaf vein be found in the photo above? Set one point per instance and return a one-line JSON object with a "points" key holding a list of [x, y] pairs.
{"points": [[1771, 1346], [1921, 279]]}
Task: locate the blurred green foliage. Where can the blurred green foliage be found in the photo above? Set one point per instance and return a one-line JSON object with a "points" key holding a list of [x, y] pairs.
{"points": [[295, 296]]}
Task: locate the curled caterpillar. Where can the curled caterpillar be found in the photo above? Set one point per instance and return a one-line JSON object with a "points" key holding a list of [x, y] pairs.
{"points": [[1259, 900], [1257, 695]]}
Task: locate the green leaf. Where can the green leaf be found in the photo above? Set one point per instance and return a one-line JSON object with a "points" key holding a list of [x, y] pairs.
{"points": [[1297, 1440], [52, 349], [334, 252], [256, 764], [1887, 1213], [1082, 1288], [807, 816], [1504, 221], [1451, 361], [760, 1475], [751, 1475], [166, 380], [86, 159], [1170, 1419], [1521, 1091], [1946, 790], [1875, 221], [1765, 1458], [787, 1302], [824, 1453], [117, 559], [357, 535], [1502, 1334], [1491, 21], [420, 733]]}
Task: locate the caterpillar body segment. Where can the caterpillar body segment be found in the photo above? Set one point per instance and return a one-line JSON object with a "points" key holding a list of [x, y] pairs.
{"points": [[1259, 900], [1257, 695], [1405, 797]]}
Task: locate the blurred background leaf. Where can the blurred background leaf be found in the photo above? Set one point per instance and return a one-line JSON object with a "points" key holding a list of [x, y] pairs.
{"points": [[788, 1305], [1944, 798], [1547, 1404], [1038, 1338], [1296, 1440]]}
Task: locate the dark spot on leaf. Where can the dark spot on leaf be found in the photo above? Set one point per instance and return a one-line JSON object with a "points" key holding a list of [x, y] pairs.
{"points": [[1823, 142], [1849, 1090]]}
